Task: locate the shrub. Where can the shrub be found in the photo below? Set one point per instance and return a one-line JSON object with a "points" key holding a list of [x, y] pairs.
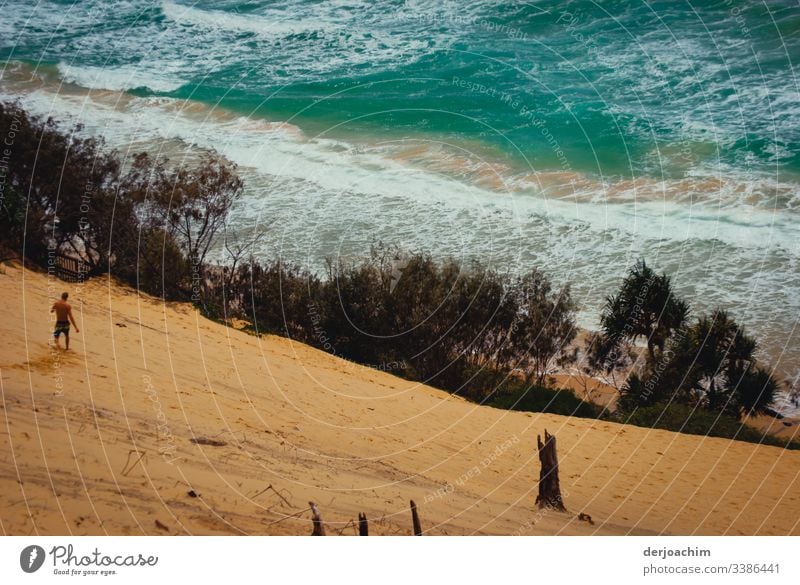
{"points": [[160, 269], [682, 418], [541, 399], [709, 364]]}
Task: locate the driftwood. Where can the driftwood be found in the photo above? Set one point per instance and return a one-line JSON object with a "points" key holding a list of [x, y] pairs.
{"points": [[549, 488], [363, 525], [415, 519], [319, 527]]}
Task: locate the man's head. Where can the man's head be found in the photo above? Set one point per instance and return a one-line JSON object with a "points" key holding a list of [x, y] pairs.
{"points": [[64, 296]]}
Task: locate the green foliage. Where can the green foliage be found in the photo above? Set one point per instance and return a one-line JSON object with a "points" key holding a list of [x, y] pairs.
{"points": [[755, 391], [683, 418], [709, 364], [277, 298], [517, 396], [193, 203], [444, 322], [544, 328], [645, 307], [161, 269]]}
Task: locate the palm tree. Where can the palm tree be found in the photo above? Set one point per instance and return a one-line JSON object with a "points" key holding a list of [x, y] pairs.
{"points": [[755, 392], [723, 355], [645, 306]]}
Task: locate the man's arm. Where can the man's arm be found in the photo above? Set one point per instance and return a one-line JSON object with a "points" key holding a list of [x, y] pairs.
{"points": [[71, 318]]}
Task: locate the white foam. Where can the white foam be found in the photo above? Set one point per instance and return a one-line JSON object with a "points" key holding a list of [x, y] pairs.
{"points": [[121, 78], [273, 23], [643, 208], [337, 36]]}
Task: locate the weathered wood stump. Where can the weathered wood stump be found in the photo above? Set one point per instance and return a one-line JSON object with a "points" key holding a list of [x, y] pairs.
{"points": [[319, 527], [363, 525], [415, 519], [549, 487]]}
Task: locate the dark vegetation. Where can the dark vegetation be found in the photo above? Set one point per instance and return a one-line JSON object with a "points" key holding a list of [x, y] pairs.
{"points": [[542, 399], [696, 376], [489, 336]]}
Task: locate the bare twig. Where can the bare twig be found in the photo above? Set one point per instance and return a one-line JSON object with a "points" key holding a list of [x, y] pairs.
{"points": [[269, 487], [346, 526], [126, 470], [295, 515]]}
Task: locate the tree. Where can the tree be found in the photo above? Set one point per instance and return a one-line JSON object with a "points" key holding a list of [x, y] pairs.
{"points": [[709, 365], [645, 307], [722, 353], [195, 202], [673, 378], [64, 193], [545, 327], [604, 358], [755, 392], [46, 178]]}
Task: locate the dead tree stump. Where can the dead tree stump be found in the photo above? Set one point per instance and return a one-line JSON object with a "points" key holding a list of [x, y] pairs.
{"points": [[319, 527], [363, 525], [415, 519], [549, 487]]}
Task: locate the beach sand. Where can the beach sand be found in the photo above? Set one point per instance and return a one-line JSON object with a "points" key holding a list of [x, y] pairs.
{"points": [[98, 440]]}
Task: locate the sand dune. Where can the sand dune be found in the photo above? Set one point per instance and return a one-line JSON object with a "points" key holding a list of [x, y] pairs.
{"points": [[98, 441]]}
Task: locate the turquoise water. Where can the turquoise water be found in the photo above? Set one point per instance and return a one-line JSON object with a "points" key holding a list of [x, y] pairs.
{"points": [[575, 136], [614, 82]]}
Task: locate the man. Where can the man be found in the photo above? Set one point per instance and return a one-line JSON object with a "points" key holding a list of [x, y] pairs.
{"points": [[63, 311]]}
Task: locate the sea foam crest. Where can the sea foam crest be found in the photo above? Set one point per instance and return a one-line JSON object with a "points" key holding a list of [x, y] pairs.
{"points": [[120, 78]]}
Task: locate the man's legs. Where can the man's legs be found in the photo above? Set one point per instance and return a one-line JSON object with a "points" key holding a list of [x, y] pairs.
{"points": [[61, 328]]}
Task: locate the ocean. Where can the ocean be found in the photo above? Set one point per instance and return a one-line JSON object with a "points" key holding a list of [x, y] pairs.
{"points": [[573, 136]]}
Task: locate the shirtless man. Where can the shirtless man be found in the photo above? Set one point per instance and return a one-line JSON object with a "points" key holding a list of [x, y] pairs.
{"points": [[63, 311]]}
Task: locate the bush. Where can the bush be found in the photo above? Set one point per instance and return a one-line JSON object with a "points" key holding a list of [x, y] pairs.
{"points": [[682, 418], [159, 268], [709, 363], [541, 399]]}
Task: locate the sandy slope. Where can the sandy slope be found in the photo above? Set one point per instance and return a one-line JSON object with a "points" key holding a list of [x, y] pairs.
{"points": [[144, 378]]}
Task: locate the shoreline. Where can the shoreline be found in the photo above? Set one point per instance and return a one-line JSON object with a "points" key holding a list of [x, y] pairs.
{"points": [[469, 221]]}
